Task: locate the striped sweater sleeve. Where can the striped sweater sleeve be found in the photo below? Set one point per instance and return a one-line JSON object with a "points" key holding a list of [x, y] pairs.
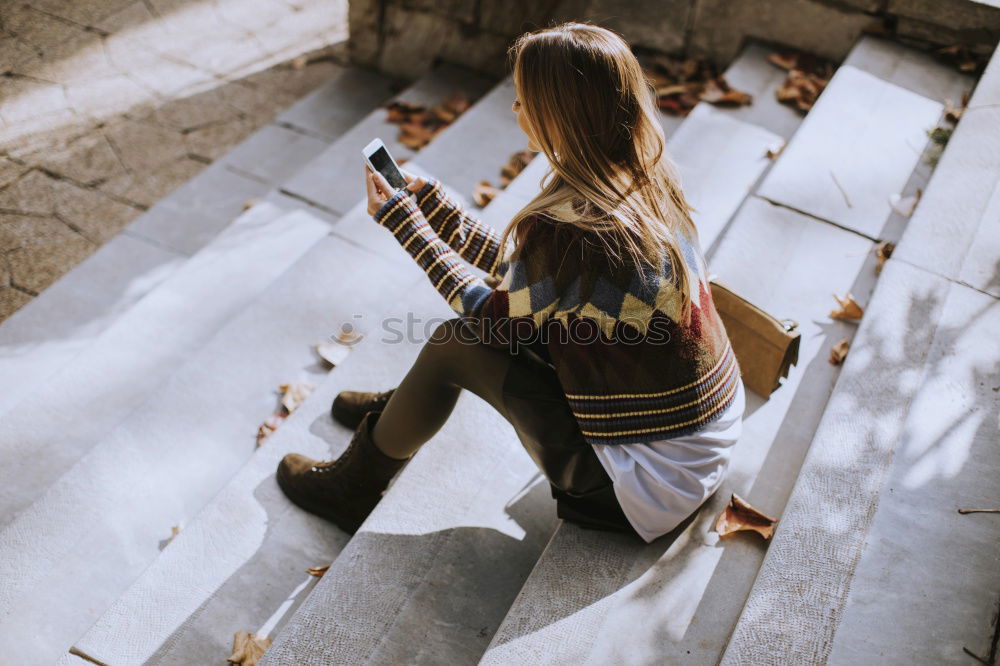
{"points": [[476, 242], [485, 310]]}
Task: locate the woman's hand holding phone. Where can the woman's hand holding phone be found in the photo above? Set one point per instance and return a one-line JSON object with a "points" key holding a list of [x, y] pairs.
{"points": [[379, 190]]}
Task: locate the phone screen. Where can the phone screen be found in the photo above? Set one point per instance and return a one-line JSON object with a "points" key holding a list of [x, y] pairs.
{"points": [[384, 165]]}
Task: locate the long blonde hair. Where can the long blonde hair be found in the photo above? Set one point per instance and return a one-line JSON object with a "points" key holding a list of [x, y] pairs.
{"points": [[592, 113]]}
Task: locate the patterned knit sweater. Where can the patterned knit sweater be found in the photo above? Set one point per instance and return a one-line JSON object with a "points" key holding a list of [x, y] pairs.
{"points": [[632, 371]]}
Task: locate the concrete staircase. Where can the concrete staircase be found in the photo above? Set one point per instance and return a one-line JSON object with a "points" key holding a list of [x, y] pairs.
{"points": [[138, 411]]}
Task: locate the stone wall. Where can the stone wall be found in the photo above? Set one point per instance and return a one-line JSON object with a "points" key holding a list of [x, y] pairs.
{"points": [[405, 37]]}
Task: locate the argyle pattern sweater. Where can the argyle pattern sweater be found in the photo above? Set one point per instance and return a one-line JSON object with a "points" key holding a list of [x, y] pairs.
{"points": [[631, 370]]}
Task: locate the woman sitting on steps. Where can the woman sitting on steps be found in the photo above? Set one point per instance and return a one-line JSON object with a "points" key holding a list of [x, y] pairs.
{"points": [[601, 344]]}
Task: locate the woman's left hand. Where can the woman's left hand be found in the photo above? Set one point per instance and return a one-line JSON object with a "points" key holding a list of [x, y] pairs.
{"points": [[379, 190]]}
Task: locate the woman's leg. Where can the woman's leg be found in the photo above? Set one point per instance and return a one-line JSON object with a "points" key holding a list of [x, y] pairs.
{"points": [[452, 359]]}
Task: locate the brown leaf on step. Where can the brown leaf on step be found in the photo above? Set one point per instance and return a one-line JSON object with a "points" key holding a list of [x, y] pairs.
{"points": [[739, 516], [952, 113], [905, 205], [775, 151], [838, 352], [718, 92], [484, 193], [784, 59], [248, 648], [419, 124], [963, 58], [250, 203], [402, 111], [294, 394], [317, 571], [882, 252], [174, 531], [300, 62], [680, 83], [269, 426], [849, 309], [332, 352], [515, 165]]}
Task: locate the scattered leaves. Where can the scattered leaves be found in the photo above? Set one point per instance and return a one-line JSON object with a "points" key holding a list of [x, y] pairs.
{"points": [[294, 394], [905, 205], [419, 124], [333, 353], [248, 648], [270, 425], [739, 516], [838, 352], [952, 113], [808, 76], [882, 252], [849, 309], [681, 83], [774, 152], [484, 193], [963, 58], [318, 571]]}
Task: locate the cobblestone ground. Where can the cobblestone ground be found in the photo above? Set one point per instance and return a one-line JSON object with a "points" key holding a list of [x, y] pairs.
{"points": [[108, 105]]}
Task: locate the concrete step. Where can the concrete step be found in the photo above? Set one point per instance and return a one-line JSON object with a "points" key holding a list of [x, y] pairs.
{"points": [[909, 437], [858, 122], [384, 595], [43, 336], [93, 529], [51, 427], [185, 608], [333, 180], [688, 588]]}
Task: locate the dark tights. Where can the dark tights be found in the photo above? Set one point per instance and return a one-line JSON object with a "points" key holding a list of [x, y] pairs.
{"points": [[526, 392], [451, 360]]}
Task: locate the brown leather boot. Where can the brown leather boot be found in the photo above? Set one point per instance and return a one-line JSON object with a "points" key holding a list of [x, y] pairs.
{"points": [[349, 407], [345, 490]]}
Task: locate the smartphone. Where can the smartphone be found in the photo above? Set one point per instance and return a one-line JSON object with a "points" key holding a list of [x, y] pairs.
{"points": [[380, 160]]}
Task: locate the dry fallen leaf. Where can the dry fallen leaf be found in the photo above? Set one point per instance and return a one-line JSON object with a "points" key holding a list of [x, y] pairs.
{"points": [[680, 83], [775, 150], [419, 124], [849, 309], [333, 352], [248, 648], [905, 205], [962, 57], [740, 516], [484, 193], [294, 394], [317, 571], [882, 252], [174, 531], [952, 113], [270, 425], [838, 352], [807, 77]]}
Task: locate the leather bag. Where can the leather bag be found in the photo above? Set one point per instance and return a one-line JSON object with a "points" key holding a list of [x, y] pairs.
{"points": [[765, 347]]}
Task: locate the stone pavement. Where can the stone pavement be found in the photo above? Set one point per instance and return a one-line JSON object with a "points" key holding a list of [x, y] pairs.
{"points": [[108, 105]]}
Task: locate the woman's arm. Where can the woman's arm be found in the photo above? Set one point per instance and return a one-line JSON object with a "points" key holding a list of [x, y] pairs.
{"points": [[497, 316], [474, 241]]}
